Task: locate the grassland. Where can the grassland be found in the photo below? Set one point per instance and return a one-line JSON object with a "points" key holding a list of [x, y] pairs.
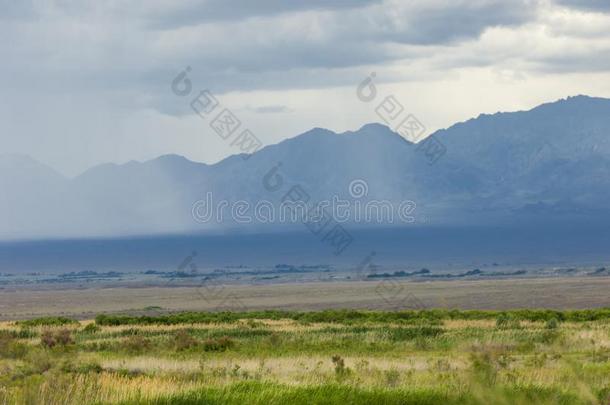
{"points": [[328, 357]]}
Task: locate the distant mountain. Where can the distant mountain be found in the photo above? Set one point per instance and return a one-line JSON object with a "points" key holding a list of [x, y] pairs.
{"points": [[549, 164], [557, 154]]}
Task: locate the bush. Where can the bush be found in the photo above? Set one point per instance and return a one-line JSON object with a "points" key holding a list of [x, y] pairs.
{"points": [[25, 333], [62, 337], [47, 339], [552, 323], [218, 345], [392, 377], [89, 368], [340, 370], [10, 348], [91, 328], [506, 321], [484, 366], [184, 341], [37, 362], [136, 344], [400, 334]]}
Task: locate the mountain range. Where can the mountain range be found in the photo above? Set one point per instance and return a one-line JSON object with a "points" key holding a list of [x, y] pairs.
{"points": [[550, 164]]}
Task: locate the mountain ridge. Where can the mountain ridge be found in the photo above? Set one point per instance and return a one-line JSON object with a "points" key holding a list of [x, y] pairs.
{"points": [[548, 162]]}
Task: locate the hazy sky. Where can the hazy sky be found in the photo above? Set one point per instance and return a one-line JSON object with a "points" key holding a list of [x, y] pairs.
{"points": [[85, 82]]}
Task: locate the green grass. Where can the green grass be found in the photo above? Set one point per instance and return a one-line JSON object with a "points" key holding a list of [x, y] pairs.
{"points": [[272, 394], [327, 357], [257, 393]]}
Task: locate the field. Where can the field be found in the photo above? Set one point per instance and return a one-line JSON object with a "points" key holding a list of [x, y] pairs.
{"points": [[328, 357]]}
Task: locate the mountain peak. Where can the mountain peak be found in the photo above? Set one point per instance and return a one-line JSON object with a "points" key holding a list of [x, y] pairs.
{"points": [[173, 162], [170, 158], [374, 127], [376, 130]]}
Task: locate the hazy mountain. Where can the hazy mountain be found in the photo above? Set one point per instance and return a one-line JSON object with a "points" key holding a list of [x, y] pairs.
{"points": [[556, 154], [551, 163]]}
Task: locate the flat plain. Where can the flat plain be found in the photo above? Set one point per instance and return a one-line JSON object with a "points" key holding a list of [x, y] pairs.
{"points": [[18, 302]]}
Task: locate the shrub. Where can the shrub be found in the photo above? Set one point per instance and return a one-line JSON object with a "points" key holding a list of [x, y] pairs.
{"points": [[392, 377], [484, 366], [129, 372], [274, 339], [47, 339], [91, 328], [399, 334], [37, 362], [550, 336], [136, 344], [89, 368], [226, 342], [25, 333], [552, 323], [506, 321], [184, 341], [218, 345], [254, 324], [62, 337], [10, 348], [341, 372], [130, 332]]}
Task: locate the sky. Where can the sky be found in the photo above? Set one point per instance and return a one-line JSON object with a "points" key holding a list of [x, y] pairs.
{"points": [[89, 82]]}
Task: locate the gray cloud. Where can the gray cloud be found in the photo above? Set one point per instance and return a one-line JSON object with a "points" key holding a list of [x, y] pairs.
{"points": [[23, 10], [318, 49], [585, 62], [270, 109], [207, 11], [83, 69], [460, 20], [71, 46], [591, 5]]}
